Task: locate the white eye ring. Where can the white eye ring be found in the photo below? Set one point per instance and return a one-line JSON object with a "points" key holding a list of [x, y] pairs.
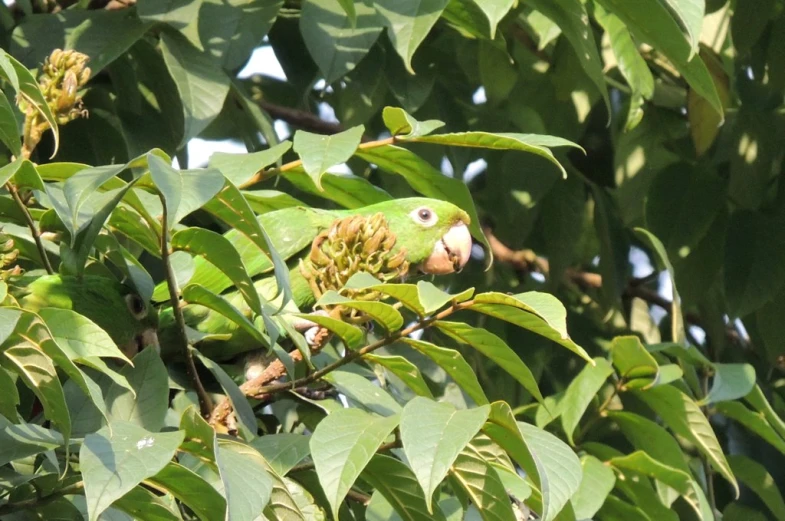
{"points": [[424, 216], [136, 306]]}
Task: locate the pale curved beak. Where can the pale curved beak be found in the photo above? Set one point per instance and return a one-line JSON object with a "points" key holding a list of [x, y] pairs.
{"points": [[451, 253], [148, 338]]}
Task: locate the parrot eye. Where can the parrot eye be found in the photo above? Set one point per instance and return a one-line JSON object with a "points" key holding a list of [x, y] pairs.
{"points": [[424, 216], [136, 306]]}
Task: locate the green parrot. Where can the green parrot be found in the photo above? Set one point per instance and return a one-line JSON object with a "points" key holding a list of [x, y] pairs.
{"points": [[430, 236], [130, 321]]}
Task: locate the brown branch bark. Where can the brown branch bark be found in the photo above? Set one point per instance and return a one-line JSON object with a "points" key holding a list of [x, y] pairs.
{"points": [[300, 118], [528, 261]]}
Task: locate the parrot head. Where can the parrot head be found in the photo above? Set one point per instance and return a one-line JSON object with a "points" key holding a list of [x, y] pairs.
{"points": [[434, 233], [114, 307]]}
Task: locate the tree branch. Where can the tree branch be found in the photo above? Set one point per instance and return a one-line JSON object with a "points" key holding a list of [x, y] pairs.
{"points": [[205, 403], [300, 118], [259, 389]]}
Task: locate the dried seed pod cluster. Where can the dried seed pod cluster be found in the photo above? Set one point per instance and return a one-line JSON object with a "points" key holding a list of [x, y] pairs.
{"points": [[353, 245], [62, 75]]}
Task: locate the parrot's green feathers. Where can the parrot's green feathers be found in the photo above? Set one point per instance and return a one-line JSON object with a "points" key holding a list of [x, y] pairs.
{"points": [[114, 307], [432, 234]]}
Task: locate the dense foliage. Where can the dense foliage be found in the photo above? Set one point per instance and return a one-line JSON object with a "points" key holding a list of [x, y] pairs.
{"points": [[612, 351]]}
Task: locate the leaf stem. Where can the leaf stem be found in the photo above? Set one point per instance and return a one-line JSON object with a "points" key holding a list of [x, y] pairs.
{"points": [[39, 243], [205, 403]]}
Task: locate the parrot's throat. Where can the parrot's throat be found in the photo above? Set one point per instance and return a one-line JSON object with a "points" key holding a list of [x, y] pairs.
{"points": [[353, 245]]}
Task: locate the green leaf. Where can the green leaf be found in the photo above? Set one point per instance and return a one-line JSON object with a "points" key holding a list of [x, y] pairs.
{"points": [[686, 419], [454, 365], [26, 439], [758, 401], [614, 509], [681, 205], [573, 20], [220, 252], [433, 298], [533, 143], [406, 294], [613, 246], [145, 403], [362, 391], [321, 152], [678, 334], [140, 499], [636, 366], [752, 421], [403, 369], [731, 381], [202, 85], [9, 130], [689, 14], [649, 436], [191, 489], [384, 314], [540, 313], [662, 32], [642, 463], [243, 411], [408, 23], [494, 348], [494, 10], [736, 511], [557, 465], [428, 181], [38, 372], [755, 476], [597, 483], [120, 456], [177, 13], [79, 336], [754, 261], [10, 393], [342, 444], [230, 206], [482, 484], [402, 124], [631, 64], [399, 486], [580, 394], [196, 294], [26, 87], [283, 450], [103, 36], [247, 485], [337, 42], [238, 168], [183, 190], [433, 434], [236, 28]]}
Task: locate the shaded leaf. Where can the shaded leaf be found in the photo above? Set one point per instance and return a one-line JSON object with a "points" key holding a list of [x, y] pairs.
{"points": [[342, 444]]}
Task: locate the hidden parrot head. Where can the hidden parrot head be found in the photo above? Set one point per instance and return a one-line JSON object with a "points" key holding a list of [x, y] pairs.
{"points": [[114, 307], [433, 233]]}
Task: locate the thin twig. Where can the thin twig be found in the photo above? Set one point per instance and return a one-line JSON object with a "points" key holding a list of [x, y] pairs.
{"points": [[205, 403], [31, 224]]}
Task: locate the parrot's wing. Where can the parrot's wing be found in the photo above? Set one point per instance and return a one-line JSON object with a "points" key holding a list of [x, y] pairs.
{"points": [[291, 230]]}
